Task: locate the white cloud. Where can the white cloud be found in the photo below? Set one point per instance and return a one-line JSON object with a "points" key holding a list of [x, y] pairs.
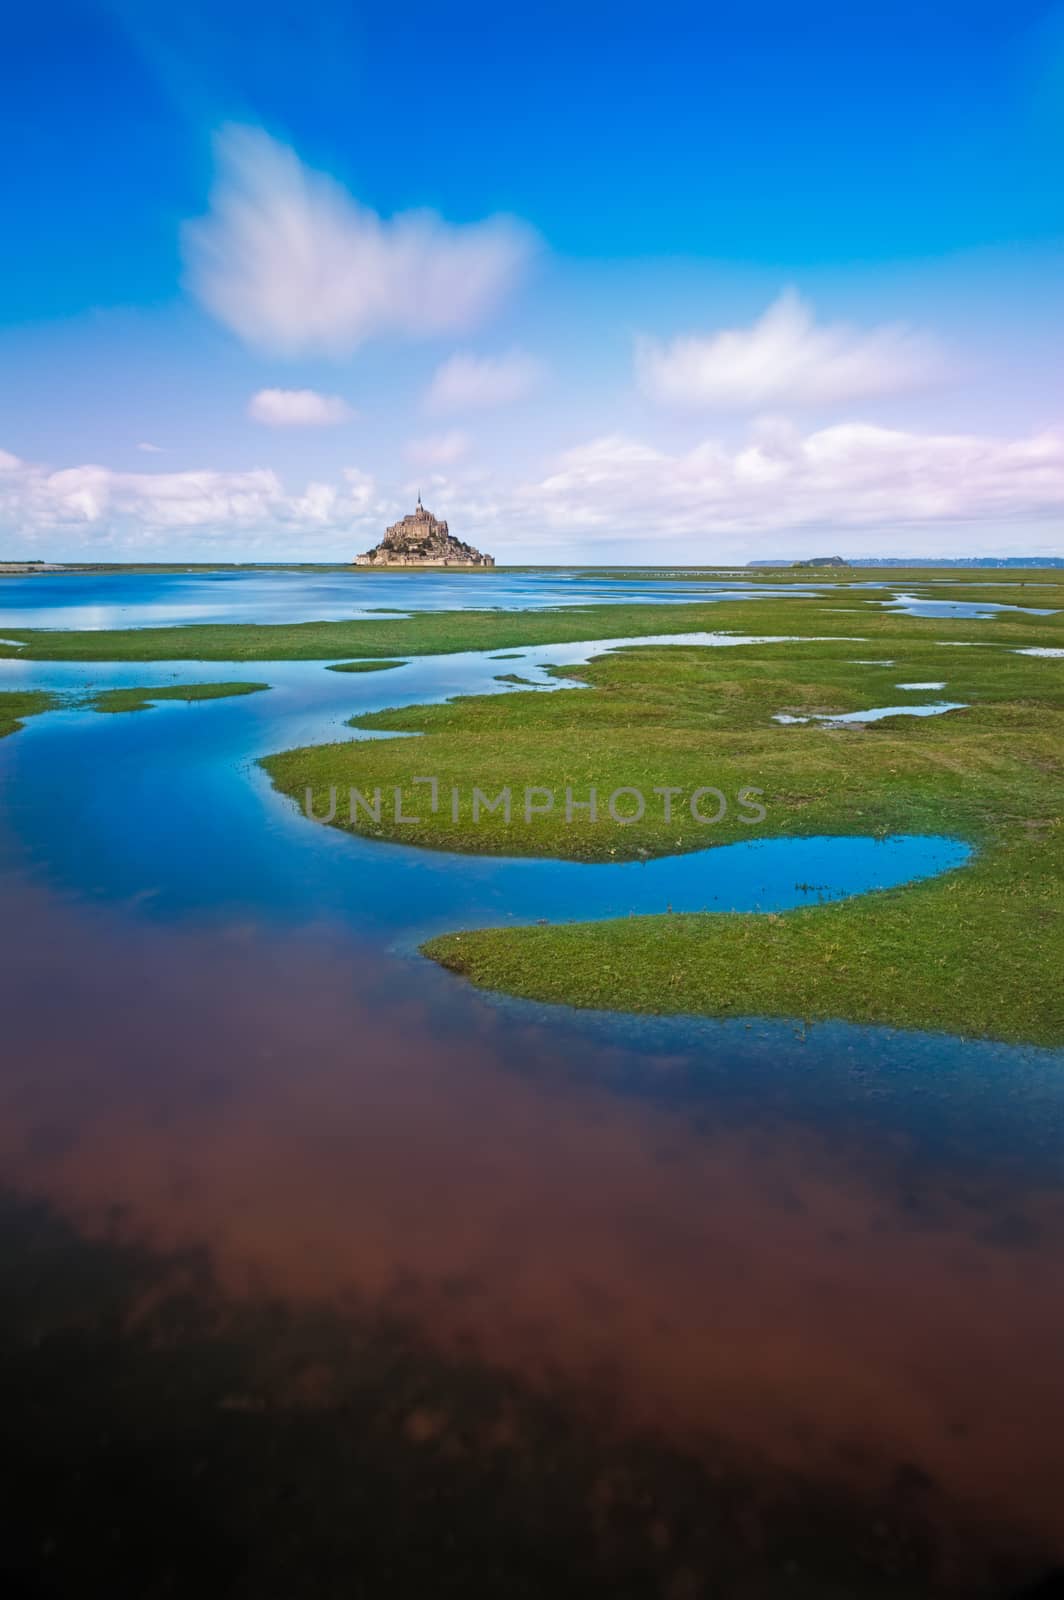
{"points": [[785, 358], [298, 408], [849, 478], [438, 449], [467, 382], [91, 504], [288, 259], [150, 449]]}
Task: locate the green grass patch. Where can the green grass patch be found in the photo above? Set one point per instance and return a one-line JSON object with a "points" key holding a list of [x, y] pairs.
{"points": [[18, 704], [380, 637], [144, 699]]}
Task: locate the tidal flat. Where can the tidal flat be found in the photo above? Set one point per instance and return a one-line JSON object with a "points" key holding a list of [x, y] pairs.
{"points": [[675, 1254]]}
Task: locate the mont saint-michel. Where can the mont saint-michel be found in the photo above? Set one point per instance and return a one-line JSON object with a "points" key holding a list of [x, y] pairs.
{"points": [[421, 540]]}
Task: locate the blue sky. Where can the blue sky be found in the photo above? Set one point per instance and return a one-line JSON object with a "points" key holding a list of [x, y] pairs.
{"points": [[669, 282]]}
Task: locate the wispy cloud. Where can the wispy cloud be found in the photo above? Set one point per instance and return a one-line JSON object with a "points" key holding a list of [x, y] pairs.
{"points": [[298, 408], [150, 449], [468, 382], [438, 449], [289, 260], [785, 358]]}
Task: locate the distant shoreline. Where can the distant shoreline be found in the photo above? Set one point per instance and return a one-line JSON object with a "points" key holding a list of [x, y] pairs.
{"points": [[752, 570]]}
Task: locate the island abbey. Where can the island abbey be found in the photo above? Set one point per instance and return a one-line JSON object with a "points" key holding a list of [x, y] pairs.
{"points": [[420, 540]]}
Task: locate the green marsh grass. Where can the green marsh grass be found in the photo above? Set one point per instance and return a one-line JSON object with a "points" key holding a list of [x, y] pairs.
{"points": [[136, 699], [978, 951], [18, 704]]}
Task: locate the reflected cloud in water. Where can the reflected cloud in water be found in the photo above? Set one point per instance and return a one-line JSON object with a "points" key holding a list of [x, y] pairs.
{"points": [[326, 1129]]}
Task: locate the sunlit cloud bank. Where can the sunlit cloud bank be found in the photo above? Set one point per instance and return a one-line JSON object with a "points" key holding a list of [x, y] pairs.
{"points": [[290, 261], [784, 358], [868, 482], [850, 476]]}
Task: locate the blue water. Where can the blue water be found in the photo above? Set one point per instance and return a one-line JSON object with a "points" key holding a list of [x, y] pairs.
{"points": [[88, 600], [139, 600], [875, 713], [171, 805]]}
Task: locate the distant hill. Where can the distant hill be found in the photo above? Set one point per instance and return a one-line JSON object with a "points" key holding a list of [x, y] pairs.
{"points": [[918, 561]]}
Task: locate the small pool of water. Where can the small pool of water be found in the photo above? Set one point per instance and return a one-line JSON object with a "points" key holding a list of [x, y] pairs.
{"points": [[912, 605], [876, 714]]}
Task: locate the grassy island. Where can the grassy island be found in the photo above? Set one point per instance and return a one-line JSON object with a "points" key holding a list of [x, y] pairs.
{"points": [[18, 704], [144, 699], [977, 951]]}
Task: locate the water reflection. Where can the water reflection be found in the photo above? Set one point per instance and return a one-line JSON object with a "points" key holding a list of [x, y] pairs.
{"points": [[912, 605], [831, 1298], [94, 600]]}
